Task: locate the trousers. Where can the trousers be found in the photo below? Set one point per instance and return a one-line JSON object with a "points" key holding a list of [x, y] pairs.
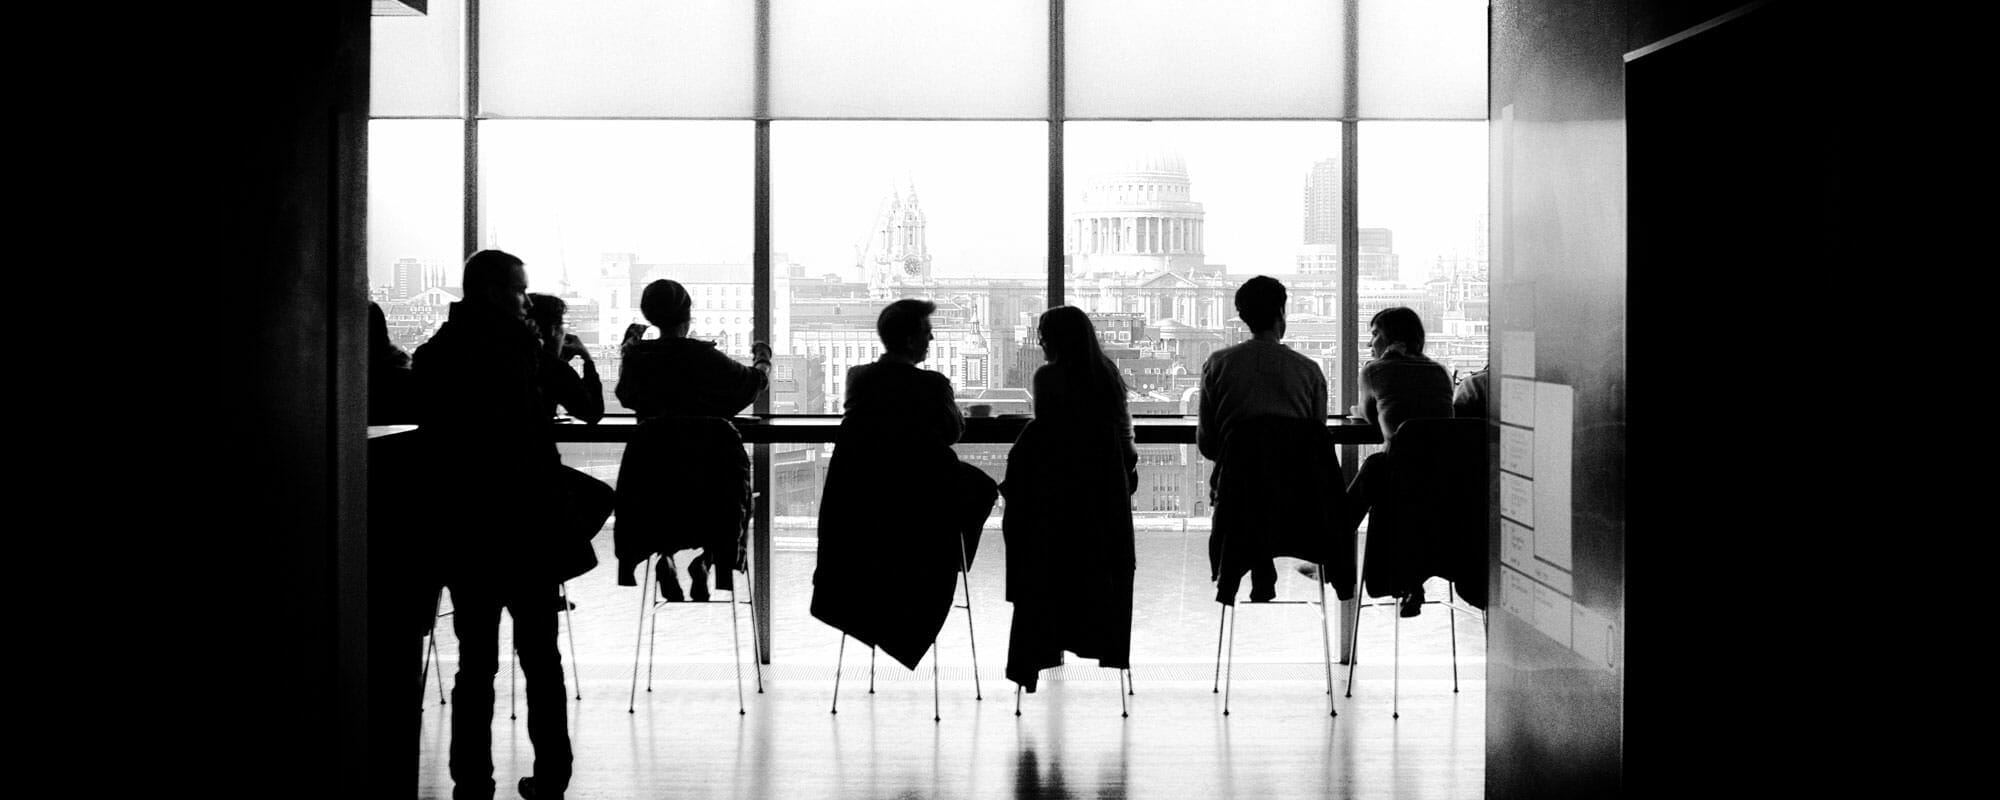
{"points": [[476, 619]]}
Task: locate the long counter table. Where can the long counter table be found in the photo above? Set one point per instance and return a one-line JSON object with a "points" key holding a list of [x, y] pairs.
{"points": [[1005, 429]]}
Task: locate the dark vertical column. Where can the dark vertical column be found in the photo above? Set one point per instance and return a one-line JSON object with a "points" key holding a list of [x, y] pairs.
{"points": [[1056, 111], [475, 202], [762, 284], [1350, 263]]}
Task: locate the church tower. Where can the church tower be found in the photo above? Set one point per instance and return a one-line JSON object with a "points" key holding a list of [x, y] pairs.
{"points": [[900, 263]]}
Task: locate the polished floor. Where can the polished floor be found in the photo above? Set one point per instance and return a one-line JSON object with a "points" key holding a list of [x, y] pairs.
{"points": [[685, 738]]}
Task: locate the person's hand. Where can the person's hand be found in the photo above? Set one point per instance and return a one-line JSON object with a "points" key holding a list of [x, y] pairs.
{"points": [[633, 333], [760, 352], [571, 348]]}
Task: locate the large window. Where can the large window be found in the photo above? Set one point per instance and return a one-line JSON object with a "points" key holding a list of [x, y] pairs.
{"points": [[1167, 151]]}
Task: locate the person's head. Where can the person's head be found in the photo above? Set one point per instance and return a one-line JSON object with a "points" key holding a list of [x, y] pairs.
{"points": [[1070, 342], [1260, 302], [546, 311], [1394, 326], [905, 327], [1067, 335], [498, 281], [667, 305]]}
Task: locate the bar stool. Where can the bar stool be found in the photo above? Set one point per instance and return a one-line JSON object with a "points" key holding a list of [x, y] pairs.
{"points": [[430, 653], [937, 715], [1226, 618], [650, 610]]}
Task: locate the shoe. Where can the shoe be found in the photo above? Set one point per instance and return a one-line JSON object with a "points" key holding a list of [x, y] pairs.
{"points": [[565, 604], [698, 579], [1413, 603], [670, 586], [1307, 569], [528, 790]]}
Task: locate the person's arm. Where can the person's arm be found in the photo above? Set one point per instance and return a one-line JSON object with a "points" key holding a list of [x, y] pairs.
{"points": [[588, 402], [1368, 409], [1207, 438], [951, 426], [1318, 392]]}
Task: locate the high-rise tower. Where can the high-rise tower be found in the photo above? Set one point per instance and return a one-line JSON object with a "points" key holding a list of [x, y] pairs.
{"points": [[1319, 251]]}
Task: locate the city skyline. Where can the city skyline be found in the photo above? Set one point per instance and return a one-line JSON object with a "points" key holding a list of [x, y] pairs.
{"points": [[562, 193]]}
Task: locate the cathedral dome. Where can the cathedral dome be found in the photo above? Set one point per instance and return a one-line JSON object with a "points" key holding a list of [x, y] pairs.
{"points": [[1156, 162]]}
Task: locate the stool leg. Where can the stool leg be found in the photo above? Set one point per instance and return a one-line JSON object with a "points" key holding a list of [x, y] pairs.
{"points": [[652, 643], [1122, 710], [1222, 616], [1130, 687], [1326, 638], [513, 682], [937, 714], [1451, 587], [965, 572], [1396, 665], [1231, 675], [562, 591], [1017, 699], [871, 669], [756, 655], [1354, 641], [736, 650], [836, 673], [645, 605]]}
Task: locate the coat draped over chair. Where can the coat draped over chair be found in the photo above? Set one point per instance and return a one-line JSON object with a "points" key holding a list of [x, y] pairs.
{"points": [[1070, 561], [891, 518], [684, 483], [1433, 521], [1279, 491]]}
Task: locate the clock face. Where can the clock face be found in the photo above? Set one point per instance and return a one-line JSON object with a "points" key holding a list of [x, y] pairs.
{"points": [[912, 266]]}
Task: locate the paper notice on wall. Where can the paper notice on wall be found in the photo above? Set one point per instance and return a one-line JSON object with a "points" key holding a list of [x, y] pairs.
{"points": [[1517, 498], [1552, 614], [1517, 354], [1517, 402], [1517, 545], [1517, 451], [1554, 420], [1517, 594], [1593, 637]]}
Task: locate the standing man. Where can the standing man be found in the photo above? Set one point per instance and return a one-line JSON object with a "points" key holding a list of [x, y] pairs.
{"points": [[1260, 378], [483, 414]]}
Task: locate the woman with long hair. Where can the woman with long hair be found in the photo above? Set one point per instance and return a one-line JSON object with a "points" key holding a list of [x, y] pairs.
{"points": [[1068, 519]]}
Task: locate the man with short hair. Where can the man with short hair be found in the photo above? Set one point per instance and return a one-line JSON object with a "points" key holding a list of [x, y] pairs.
{"points": [[1244, 389], [900, 514], [483, 414]]}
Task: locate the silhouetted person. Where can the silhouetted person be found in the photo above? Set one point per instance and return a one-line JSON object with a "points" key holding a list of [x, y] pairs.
{"points": [[588, 500], [1258, 379], [504, 542], [1473, 397], [898, 502], [1068, 519], [392, 390], [677, 377], [1399, 384], [581, 395]]}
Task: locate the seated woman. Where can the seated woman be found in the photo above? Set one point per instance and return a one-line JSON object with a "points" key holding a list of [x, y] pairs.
{"points": [[680, 388], [1068, 520]]}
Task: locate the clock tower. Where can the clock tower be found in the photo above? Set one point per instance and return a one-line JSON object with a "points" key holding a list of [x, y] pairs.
{"points": [[900, 261]]}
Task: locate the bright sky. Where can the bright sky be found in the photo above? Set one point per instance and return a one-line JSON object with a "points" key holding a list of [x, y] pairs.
{"points": [[562, 192]]}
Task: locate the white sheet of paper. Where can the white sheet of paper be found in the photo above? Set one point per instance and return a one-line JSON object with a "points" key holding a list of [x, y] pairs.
{"points": [[1554, 422], [1517, 450], [1517, 354], [1517, 545], [1592, 637], [1517, 498], [1556, 577], [1517, 594], [1552, 614], [1517, 401]]}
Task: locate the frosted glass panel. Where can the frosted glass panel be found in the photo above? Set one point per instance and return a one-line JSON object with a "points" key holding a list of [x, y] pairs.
{"points": [[910, 58], [1423, 59], [414, 63], [617, 58], [1203, 59]]}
